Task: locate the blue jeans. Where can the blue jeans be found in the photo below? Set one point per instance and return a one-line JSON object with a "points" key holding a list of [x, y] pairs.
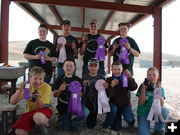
{"points": [[114, 118], [47, 78], [144, 124], [101, 70], [66, 123]]}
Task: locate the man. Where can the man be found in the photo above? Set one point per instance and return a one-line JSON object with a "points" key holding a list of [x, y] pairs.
{"points": [[40, 52], [131, 46], [88, 48], [71, 46]]}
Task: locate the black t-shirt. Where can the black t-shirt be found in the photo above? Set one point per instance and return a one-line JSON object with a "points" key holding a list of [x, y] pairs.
{"points": [[34, 47], [133, 44], [69, 51], [91, 93], [91, 48], [64, 97]]}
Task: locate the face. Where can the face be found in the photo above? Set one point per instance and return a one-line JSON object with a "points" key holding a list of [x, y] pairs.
{"points": [[66, 28], [93, 28], [123, 30], [37, 80], [69, 67], [152, 76], [42, 33], [117, 70], [93, 68]]}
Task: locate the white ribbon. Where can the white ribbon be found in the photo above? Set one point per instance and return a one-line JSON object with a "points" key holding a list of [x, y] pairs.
{"points": [[62, 51], [103, 100], [155, 111]]}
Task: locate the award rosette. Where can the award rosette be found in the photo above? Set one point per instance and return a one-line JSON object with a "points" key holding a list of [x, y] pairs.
{"points": [[26, 91], [43, 61], [100, 53], [103, 100], [125, 79], [62, 51], [155, 111], [123, 53], [74, 106]]}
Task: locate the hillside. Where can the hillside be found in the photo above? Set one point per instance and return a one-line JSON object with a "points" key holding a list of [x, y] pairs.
{"points": [[16, 49]]}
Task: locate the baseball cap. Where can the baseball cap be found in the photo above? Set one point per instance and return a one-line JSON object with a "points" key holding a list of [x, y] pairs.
{"points": [[66, 22], [93, 21], [93, 61]]}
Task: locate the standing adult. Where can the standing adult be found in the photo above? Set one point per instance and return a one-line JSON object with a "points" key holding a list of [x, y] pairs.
{"points": [[89, 46], [131, 45], [70, 48], [40, 52]]}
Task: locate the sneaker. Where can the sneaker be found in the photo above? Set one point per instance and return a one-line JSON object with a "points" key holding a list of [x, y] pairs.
{"points": [[45, 130], [113, 132], [158, 133]]}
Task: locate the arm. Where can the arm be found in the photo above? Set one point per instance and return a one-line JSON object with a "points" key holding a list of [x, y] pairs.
{"points": [[134, 52], [83, 48], [114, 47], [31, 57], [57, 92], [142, 97], [51, 59], [17, 95]]}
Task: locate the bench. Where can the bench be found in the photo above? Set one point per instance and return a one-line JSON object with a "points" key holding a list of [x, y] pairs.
{"points": [[5, 108]]}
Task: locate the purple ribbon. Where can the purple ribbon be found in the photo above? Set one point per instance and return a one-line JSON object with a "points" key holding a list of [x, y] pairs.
{"points": [[155, 111], [103, 100], [125, 79], [74, 106], [43, 61], [123, 54], [100, 52], [26, 90]]}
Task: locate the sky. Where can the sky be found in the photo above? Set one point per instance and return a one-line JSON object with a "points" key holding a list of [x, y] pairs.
{"points": [[142, 32]]}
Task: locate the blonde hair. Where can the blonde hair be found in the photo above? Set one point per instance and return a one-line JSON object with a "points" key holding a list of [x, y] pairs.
{"points": [[153, 69], [36, 71]]}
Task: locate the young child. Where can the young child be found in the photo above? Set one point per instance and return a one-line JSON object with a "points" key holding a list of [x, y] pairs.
{"points": [[119, 99], [38, 108], [90, 92], [63, 96], [145, 94]]}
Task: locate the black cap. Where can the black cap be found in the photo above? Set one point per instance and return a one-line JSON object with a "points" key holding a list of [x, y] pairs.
{"points": [[93, 61], [66, 22]]}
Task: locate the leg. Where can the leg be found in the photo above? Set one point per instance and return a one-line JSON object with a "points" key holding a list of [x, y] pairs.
{"points": [[143, 125], [40, 119], [47, 78], [84, 69], [128, 115], [117, 125], [110, 117], [91, 119], [160, 126], [65, 122], [21, 132], [101, 70]]}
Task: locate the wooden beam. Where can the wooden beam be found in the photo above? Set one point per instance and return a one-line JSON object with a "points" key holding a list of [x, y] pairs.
{"points": [[34, 14], [56, 14], [95, 4], [82, 18], [157, 55], [78, 29]]}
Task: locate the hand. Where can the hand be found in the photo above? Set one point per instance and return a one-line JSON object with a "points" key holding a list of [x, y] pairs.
{"points": [[73, 45], [114, 82], [128, 73], [22, 86], [85, 82], [85, 38], [106, 85], [47, 58], [38, 56], [59, 46], [115, 45], [127, 45], [63, 87]]}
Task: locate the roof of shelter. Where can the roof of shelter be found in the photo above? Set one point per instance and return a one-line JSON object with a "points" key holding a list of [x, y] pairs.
{"points": [[108, 13]]}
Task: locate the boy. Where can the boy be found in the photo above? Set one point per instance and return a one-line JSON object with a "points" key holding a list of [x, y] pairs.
{"points": [[61, 91], [91, 93], [33, 54], [38, 110], [145, 94], [119, 99]]}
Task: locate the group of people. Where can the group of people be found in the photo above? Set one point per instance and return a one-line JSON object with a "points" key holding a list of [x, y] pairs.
{"points": [[79, 100]]}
